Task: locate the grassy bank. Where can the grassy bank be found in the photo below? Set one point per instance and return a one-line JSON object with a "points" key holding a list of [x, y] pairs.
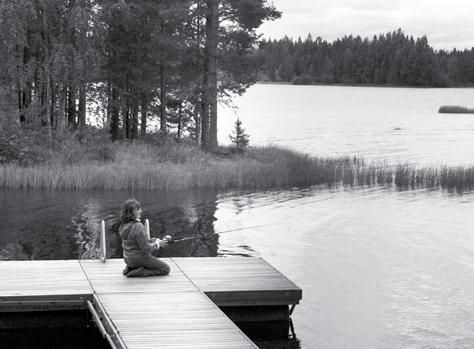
{"points": [[172, 165]]}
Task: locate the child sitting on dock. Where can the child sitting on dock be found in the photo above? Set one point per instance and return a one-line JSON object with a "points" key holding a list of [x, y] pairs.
{"points": [[137, 247]]}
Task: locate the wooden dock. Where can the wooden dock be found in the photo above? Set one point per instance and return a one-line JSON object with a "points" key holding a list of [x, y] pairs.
{"points": [[180, 310]]}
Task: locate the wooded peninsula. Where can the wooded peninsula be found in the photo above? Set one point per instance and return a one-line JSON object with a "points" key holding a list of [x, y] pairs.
{"points": [[123, 94], [127, 61]]}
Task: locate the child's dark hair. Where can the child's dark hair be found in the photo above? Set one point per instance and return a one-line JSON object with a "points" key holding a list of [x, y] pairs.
{"points": [[129, 207]]}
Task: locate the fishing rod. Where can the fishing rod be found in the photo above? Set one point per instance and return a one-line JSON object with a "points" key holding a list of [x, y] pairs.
{"points": [[172, 241]]}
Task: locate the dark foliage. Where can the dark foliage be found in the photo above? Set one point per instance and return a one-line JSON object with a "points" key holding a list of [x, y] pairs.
{"points": [[124, 64]]}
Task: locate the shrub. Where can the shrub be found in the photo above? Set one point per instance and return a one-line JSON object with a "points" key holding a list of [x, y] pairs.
{"points": [[302, 80], [27, 146], [24, 146]]}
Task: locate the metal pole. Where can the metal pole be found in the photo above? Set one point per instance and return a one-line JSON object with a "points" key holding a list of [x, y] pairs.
{"points": [[292, 308], [147, 227], [103, 251], [96, 318]]}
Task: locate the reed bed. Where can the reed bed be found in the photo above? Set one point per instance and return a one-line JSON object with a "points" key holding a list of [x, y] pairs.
{"points": [[181, 166], [455, 109]]}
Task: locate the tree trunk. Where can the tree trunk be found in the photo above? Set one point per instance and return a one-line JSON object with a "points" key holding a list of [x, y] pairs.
{"points": [[47, 73], [114, 114], [179, 119], [46, 103], [82, 105], [197, 122], [71, 106], [144, 115], [53, 105], [60, 117], [134, 120], [36, 105], [163, 117], [126, 121], [212, 27], [108, 107], [205, 114], [209, 86], [20, 91], [197, 105], [28, 102], [205, 102], [163, 129], [20, 102], [26, 87]]}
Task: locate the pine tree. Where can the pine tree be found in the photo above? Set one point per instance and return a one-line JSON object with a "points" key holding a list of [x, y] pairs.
{"points": [[239, 137]]}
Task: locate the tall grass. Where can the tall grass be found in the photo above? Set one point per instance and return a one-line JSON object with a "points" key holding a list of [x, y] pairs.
{"points": [[455, 109], [181, 166]]}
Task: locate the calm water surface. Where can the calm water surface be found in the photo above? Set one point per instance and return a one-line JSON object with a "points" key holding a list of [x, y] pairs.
{"points": [[379, 268], [395, 124]]}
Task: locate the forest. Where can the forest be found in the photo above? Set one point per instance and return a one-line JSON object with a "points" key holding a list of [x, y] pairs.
{"points": [[393, 59], [93, 90], [126, 64], [130, 67]]}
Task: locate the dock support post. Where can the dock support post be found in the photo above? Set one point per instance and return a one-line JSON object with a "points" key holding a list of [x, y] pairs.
{"points": [[103, 251], [98, 321], [292, 308]]}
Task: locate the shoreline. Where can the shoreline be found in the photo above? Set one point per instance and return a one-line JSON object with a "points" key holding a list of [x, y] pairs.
{"points": [[179, 166], [361, 85]]}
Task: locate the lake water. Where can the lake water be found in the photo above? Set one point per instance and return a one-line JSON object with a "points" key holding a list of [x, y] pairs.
{"points": [[394, 124], [379, 268]]}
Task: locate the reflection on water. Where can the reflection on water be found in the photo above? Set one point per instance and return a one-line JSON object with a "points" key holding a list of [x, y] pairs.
{"points": [[64, 224], [290, 344], [379, 268]]}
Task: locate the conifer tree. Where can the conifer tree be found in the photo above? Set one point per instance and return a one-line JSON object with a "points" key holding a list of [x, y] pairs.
{"points": [[239, 137]]}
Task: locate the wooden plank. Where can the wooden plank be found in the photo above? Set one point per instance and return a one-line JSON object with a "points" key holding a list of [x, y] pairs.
{"points": [[168, 311], [240, 281], [174, 311], [48, 280], [41, 305], [107, 278], [253, 298]]}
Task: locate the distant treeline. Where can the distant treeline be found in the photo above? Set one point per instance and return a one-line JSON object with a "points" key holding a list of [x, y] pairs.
{"points": [[387, 59]]}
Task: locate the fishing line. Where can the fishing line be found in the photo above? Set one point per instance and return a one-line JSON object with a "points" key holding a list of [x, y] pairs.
{"points": [[171, 240]]}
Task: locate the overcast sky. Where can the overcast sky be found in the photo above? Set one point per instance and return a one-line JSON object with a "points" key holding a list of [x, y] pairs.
{"points": [[447, 24]]}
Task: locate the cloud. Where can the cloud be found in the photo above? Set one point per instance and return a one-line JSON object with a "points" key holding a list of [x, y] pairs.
{"points": [[447, 24]]}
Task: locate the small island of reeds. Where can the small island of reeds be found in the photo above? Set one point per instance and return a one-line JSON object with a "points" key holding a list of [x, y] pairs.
{"points": [[455, 109]]}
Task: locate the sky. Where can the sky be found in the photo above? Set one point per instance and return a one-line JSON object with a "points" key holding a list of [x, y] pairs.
{"points": [[448, 24]]}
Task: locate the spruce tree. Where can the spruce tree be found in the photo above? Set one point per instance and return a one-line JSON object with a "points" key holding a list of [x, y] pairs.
{"points": [[239, 137]]}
